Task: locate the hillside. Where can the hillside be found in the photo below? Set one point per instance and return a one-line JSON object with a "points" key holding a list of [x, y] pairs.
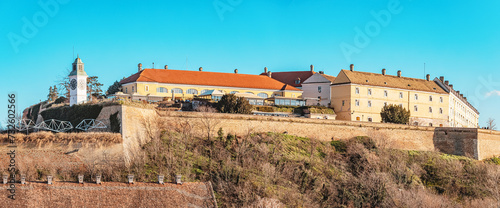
{"points": [[279, 169]]}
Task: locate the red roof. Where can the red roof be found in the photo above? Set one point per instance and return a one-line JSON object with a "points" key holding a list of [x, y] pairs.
{"points": [[207, 78], [290, 77]]}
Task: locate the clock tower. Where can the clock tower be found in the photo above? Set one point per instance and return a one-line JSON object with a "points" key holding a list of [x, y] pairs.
{"points": [[77, 83]]}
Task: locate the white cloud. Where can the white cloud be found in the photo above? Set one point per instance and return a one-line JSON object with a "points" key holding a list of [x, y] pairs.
{"points": [[494, 93]]}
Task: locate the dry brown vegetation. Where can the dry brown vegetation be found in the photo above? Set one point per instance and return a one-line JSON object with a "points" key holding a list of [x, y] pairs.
{"points": [[64, 138], [271, 169]]}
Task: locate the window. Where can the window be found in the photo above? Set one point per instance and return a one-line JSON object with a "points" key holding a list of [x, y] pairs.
{"points": [[177, 91], [430, 98], [357, 102], [161, 90], [416, 96], [430, 124], [400, 95], [126, 90], [441, 99], [234, 92], [343, 102], [440, 110], [205, 90], [146, 88], [132, 89], [357, 90], [358, 118], [263, 95], [297, 81], [192, 91], [319, 89], [430, 109], [369, 103], [369, 91], [370, 119], [415, 108], [385, 93]]}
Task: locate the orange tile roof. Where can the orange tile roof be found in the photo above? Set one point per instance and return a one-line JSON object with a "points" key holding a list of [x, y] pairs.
{"points": [[207, 78], [367, 78], [290, 77]]}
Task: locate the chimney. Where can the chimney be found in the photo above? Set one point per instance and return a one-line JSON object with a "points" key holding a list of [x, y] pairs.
{"points": [[265, 70], [321, 72], [160, 179], [80, 178], [399, 73], [200, 69], [139, 66], [428, 77], [165, 67], [269, 74], [458, 92], [461, 95], [451, 86], [236, 71], [352, 67], [130, 179], [383, 71], [178, 179], [446, 82], [312, 68], [441, 78]]}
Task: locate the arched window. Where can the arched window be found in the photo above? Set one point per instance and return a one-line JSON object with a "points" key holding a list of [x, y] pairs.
{"points": [[234, 92], [263, 95], [177, 91], [205, 90], [161, 90], [192, 91]]}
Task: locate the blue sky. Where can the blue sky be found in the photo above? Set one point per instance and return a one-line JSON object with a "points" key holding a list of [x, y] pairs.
{"points": [[456, 39]]}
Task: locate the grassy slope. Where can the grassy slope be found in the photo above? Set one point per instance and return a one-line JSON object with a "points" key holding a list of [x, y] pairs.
{"points": [[278, 169]]}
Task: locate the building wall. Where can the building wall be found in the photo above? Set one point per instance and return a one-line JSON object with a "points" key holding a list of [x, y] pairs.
{"points": [[461, 115], [364, 111], [145, 88], [310, 90], [475, 143]]}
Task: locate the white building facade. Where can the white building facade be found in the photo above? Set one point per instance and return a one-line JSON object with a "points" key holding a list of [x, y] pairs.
{"points": [[316, 89], [461, 112]]}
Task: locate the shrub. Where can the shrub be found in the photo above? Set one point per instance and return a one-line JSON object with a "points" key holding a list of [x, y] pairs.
{"points": [[265, 108], [395, 114], [60, 100], [340, 146], [230, 103]]}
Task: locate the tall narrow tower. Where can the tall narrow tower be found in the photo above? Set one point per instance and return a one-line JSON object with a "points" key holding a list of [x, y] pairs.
{"points": [[78, 83]]}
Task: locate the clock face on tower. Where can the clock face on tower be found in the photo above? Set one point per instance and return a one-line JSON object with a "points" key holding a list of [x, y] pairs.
{"points": [[73, 84]]}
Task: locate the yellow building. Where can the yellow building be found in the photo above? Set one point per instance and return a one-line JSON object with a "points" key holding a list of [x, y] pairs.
{"points": [[157, 84], [360, 96]]}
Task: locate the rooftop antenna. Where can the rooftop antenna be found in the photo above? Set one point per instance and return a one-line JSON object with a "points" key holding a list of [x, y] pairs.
{"points": [[153, 65]]}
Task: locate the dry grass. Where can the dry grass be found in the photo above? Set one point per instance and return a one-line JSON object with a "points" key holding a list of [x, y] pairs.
{"points": [[45, 137]]}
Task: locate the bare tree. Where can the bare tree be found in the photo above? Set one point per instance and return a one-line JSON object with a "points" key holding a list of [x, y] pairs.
{"points": [[208, 121], [491, 124]]}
